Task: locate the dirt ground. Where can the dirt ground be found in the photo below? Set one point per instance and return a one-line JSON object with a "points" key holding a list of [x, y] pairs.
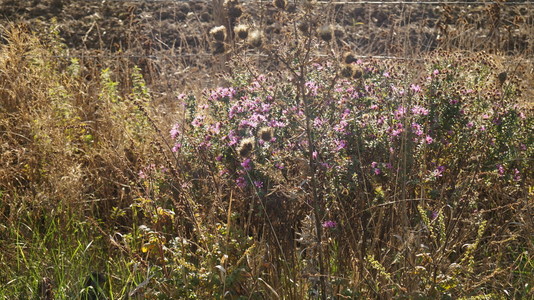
{"points": [[165, 36]]}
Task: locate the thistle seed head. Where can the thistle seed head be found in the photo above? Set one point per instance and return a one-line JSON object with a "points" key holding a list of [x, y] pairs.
{"points": [[246, 147], [255, 38], [218, 33], [326, 32], [266, 134], [241, 31]]}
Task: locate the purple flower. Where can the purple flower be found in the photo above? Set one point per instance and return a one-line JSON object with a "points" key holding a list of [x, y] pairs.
{"points": [[258, 184], [433, 215], [246, 164], [419, 110], [377, 171], [517, 175], [329, 224], [241, 182], [417, 129], [500, 169], [175, 131], [374, 164], [176, 147], [429, 139], [340, 144], [415, 88], [197, 122]]}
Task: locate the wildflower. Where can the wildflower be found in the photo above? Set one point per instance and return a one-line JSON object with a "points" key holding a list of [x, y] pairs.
{"points": [[241, 182], [374, 164], [175, 131], [197, 122], [500, 169], [266, 134], [241, 31], [517, 175], [429, 139], [329, 224], [377, 171], [415, 88], [176, 147], [245, 147], [218, 33], [433, 215], [418, 110], [246, 164], [258, 184], [340, 144]]}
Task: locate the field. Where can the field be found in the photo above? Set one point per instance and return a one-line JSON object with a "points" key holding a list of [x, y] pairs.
{"points": [[266, 150]]}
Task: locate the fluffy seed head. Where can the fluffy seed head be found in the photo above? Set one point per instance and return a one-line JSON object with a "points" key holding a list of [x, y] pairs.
{"points": [[233, 9], [347, 71], [218, 33], [326, 32], [218, 48], [241, 31], [255, 38], [245, 147], [280, 4], [358, 72], [348, 57], [266, 134]]}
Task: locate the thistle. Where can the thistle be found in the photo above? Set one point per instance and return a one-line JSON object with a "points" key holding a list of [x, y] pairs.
{"points": [[245, 147], [280, 4], [255, 38], [266, 134], [326, 32], [348, 57], [218, 33], [241, 31]]}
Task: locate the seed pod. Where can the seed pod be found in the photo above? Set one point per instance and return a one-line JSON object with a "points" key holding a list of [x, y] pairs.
{"points": [[245, 147], [255, 38], [218, 48], [266, 134], [218, 33], [347, 71], [280, 4], [326, 32], [348, 57], [241, 31], [357, 73]]}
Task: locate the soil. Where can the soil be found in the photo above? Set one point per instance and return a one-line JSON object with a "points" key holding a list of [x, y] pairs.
{"points": [[165, 36]]}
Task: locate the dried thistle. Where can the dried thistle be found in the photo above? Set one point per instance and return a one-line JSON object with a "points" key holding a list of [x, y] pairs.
{"points": [[233, 9], [241, 31], [218, 33], [358, 72], [326, 32], [280, 4], [347, 71], [266, 134], [348, 57], [246, 147], [218, 48], [255, 38]]}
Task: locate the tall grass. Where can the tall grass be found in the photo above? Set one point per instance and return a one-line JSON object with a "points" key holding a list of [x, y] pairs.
{"points": [[314, 176]]}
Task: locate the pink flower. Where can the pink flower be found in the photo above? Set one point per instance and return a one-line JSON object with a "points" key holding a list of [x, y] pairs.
{"points": [[175, 131], [329, 224], [241, 182], [246, 164], [429, 139]]}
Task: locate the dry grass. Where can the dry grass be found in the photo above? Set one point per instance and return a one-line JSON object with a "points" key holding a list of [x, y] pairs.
{"points": [[329, 205]]}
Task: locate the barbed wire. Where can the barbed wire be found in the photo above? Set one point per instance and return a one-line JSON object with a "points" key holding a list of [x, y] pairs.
{"points": [[474, 3]]}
